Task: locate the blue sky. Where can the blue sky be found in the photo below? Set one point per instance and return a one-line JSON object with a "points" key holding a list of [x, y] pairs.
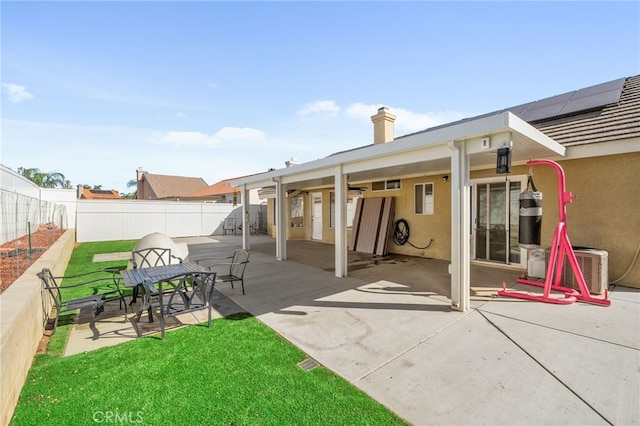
{"points": [[217, 90]]}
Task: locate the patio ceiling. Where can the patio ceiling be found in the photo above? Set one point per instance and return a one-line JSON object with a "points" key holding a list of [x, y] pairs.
{"points": [[418, 154]]}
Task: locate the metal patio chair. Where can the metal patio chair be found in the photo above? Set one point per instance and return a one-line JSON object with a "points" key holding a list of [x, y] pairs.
{"points": [[182, 293], [236, 267], [150, 257]]}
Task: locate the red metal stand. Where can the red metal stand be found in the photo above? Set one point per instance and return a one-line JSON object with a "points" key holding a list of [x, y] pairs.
{"points": [[559, 248]]}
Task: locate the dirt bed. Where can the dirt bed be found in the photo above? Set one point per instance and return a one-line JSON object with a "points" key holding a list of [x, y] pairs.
{"points": [[17, 255]]}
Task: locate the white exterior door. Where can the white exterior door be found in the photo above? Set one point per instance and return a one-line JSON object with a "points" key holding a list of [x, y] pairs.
{"points": [[316, 216]]}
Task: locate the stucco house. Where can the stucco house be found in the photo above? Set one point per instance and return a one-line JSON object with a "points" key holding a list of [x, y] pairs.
{"points": [[444, 184]]}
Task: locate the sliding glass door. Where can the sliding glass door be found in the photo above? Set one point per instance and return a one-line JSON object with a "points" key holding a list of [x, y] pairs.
{"points": [[495, 220]]}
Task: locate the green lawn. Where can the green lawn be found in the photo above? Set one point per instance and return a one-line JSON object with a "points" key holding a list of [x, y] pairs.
{"points": [[238, 372]]}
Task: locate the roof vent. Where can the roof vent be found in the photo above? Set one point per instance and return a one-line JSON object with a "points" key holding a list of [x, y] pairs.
{"points": [[292, 162]]}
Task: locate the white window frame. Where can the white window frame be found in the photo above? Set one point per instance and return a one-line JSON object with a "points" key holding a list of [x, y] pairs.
{"points": [[296, 208], [427, 204]]}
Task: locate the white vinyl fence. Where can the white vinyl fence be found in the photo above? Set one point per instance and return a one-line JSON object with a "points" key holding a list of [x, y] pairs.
{"points": [[24, 205], [102, 220]]}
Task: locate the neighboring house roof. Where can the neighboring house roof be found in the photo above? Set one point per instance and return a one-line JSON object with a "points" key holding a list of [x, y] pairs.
{"points": [[99, 194], [220, 188], [164, 186]]}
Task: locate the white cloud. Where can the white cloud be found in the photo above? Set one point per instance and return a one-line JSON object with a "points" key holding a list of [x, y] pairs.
{"points": [[199, 139], [17, 93], [240, 134], [181, 114], [412, 121], [319, 107], [359, 110], [186, 139], [406, 120]]}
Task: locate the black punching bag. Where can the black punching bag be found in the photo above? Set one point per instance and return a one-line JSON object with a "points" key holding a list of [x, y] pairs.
{"points": [[530, 215]]}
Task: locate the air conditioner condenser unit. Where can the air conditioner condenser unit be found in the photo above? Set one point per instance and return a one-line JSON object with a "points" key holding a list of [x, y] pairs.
{"points": [[594, 265]]}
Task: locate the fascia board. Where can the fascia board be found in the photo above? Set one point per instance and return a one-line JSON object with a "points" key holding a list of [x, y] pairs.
{"points": [[318, 173], [482, 126], [627, 146], [252, 183], [422, 153], [520, 126]]}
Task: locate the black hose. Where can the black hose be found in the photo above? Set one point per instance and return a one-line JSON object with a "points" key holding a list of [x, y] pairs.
{"points": [[401, 234]]}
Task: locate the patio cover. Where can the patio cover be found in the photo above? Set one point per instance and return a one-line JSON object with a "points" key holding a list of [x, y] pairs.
{"points": [[454, 148]]}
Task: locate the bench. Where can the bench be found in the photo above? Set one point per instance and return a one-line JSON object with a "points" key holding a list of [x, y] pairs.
{"points": [[87, 290]]}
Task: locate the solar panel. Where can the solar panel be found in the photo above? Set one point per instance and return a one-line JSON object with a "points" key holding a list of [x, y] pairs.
{"points": [[601, 88], [584, 103], [586, 99], [553, 100], [539, 113]]}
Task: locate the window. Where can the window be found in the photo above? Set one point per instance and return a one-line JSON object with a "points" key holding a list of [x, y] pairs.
{"points": [[297, 212], [386, 185], [424, 198], [352, 201]]}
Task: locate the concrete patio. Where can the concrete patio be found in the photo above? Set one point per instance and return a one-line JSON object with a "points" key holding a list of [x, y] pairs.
{"points": [[388, 329]]}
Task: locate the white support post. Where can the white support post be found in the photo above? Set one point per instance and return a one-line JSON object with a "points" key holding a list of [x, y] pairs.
{"points": [[341, 259], [281, 221], [460, 227], [246, 219], [465, 241]]}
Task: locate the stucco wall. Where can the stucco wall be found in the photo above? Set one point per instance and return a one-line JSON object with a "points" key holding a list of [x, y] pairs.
{"points": [[606, 212], [422, 228]]}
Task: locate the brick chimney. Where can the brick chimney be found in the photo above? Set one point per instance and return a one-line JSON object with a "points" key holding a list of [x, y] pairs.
{"points": [[383, 126]]}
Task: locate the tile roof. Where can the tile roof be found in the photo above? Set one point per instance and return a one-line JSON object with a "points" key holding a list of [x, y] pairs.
{"points": [[219, 188], [99, 194], [165, 186]]}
